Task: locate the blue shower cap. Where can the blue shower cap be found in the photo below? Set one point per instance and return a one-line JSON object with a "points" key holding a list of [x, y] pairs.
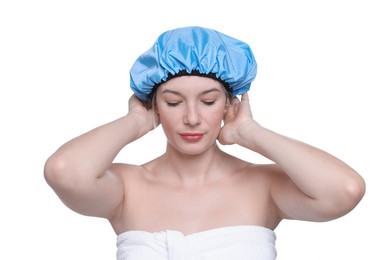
{"points": [[186, 50]]}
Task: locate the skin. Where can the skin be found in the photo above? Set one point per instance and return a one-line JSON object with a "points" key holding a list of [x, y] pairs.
{"points": [[195, 186]]}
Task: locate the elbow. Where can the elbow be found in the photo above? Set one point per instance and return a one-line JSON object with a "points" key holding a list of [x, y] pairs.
{"points": [[55, 171], [343, 199], [355, 189], [349, 196]]}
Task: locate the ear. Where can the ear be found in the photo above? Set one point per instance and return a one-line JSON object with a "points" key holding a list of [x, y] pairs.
{"points": [[156, 119], [227, 105], [155, 106]]}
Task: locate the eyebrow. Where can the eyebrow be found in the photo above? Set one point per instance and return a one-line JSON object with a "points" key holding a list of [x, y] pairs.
{"points": [[179, 94]]}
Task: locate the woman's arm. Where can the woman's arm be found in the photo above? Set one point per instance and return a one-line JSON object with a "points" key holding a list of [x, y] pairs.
{"points": [[79, 171], [309, 184]]}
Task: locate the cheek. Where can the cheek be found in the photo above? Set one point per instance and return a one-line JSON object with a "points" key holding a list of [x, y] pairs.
{"points": [[168, 126], [168, 118], [215, 119]]}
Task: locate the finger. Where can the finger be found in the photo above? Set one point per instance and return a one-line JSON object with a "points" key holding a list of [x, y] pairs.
{"points": [[245, 97], [235, 101]]}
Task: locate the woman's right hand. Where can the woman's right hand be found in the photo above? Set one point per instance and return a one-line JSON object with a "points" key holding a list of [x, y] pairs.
{"points": [[146, 118]]}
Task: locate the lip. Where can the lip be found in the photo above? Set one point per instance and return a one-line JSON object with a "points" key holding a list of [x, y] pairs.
{"points": [[192, 137]]}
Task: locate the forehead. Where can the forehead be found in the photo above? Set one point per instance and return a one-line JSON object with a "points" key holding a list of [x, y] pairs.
{"points": [[191, 84]]}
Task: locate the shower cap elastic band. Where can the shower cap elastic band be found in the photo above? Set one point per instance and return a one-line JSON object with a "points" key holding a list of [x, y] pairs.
{"points": [[186, 50]]}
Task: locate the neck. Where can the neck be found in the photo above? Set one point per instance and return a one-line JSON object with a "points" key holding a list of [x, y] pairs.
{"points": [[193, 170]]}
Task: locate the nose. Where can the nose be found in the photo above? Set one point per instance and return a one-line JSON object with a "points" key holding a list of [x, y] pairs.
{"points": [[192, 115]]}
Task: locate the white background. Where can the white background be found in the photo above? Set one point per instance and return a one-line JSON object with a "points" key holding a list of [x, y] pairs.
{"points": [[324, 76]]}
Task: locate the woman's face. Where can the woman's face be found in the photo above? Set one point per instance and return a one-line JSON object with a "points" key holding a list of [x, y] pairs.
{"points": [[191, 109]]}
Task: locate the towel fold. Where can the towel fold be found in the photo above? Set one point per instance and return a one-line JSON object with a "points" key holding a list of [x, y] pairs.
{"points": [[234, 242]]}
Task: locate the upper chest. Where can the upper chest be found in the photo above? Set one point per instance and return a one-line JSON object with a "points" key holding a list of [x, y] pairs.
{"points": [[151, 205]]}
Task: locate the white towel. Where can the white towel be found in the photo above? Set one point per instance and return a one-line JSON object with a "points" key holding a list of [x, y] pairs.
{"points": [[234, 242]]}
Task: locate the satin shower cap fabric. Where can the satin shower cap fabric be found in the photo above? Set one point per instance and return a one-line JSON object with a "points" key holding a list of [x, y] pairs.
{"points": [[194, 49]]}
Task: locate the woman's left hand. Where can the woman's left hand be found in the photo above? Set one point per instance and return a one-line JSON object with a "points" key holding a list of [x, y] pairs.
{"points": [[237, 115]]}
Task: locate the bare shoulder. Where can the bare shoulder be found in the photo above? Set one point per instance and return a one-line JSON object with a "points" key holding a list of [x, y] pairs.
{"points": [[265, 177], [265, 172], [124, 168], [255, 173], [132, 178], [126, 171]]}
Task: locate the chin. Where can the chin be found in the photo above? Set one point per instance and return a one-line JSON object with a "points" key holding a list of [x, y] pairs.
{"points": [[193, 148]]}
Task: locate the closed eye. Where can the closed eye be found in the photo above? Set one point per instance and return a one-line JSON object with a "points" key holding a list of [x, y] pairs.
{"points": [[173, 104], [209, 102]]}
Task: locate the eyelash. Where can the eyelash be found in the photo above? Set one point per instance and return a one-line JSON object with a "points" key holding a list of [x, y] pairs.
{"points": [[173, 104], [207, 103]]}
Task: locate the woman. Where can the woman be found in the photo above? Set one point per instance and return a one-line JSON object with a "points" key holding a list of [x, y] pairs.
{"points": [[196, 201]]}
